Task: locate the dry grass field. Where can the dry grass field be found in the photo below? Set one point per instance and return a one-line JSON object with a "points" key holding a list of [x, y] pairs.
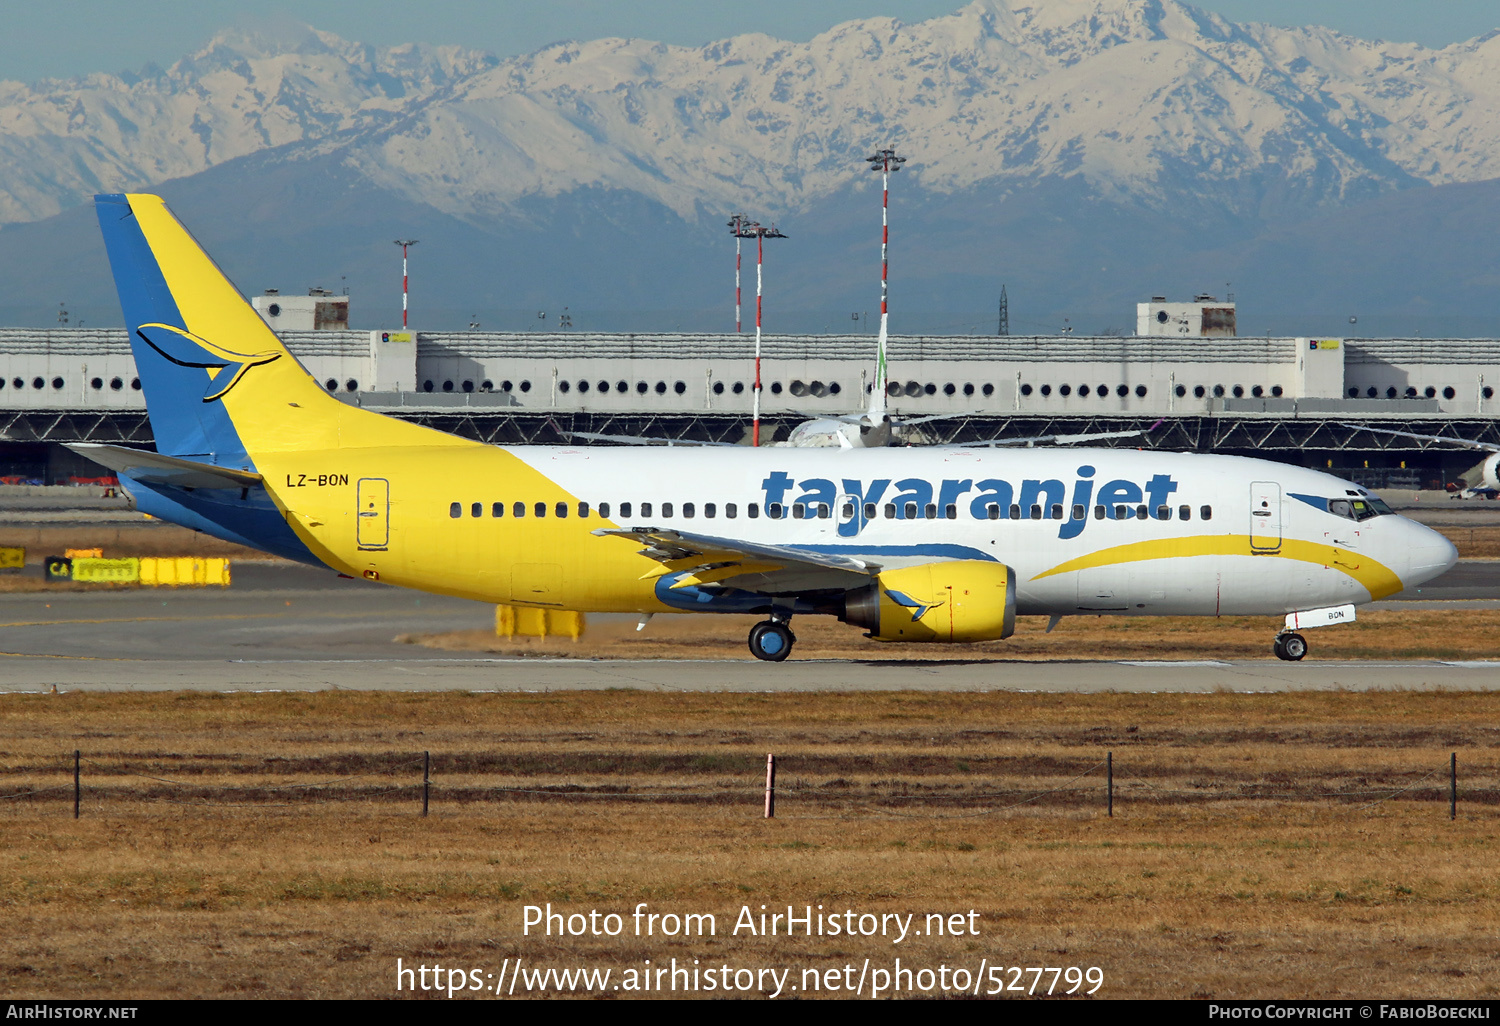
{"points": [[1377, 634], [272, 845]]}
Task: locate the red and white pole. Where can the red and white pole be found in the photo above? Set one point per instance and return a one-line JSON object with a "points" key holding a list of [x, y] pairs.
{"points": [[737, 327], [405, 244]]}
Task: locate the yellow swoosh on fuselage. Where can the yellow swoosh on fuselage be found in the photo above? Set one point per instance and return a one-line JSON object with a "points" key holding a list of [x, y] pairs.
{"points": [[1379, 579]]}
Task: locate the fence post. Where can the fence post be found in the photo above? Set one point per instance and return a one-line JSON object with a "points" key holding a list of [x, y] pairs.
{"points": [[770, 786], [76, 790], [426, 779], [1109, 776], [1453, 786]]}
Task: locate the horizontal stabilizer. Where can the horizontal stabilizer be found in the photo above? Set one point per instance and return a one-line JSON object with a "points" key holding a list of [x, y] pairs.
{"points": [[158, 469]]}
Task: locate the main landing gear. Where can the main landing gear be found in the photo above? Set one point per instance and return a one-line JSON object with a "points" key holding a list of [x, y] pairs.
{"points": [[771, 640], [1290, 647]]}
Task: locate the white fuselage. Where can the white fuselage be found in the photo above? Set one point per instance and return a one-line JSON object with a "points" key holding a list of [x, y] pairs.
{"points": [[1220, 535]]}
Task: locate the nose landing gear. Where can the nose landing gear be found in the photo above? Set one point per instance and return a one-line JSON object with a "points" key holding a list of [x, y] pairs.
{"points": [[1289, 646], [771, 640]]}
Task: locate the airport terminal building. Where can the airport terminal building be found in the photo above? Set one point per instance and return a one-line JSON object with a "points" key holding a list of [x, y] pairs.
{"points": [[1299, 400]]}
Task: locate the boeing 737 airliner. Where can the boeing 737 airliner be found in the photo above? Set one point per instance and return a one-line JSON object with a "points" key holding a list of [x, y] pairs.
{"points": [[913, 544]]}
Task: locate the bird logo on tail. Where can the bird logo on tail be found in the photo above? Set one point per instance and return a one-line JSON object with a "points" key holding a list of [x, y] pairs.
{"points": [[225, 367]]}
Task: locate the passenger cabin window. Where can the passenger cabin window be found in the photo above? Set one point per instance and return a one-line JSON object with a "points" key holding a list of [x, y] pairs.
{"points": [[1056, 511], [992, 511], [950, 512], [1015, 511], [1206, 513], [753, 511], [710, 510], [1164, 512], [890, 511], [583, 509], [476, 510], [518, 510], [870, 511], [823, 511], [562, 510], [604, 510], [799, 511], [929, 511], [666, 509], [645, 509], [1141, 512], [497, 509], [1036, 512], [541, 509], [689, 510], [1080, 511], [1099, 512], [455, 510], [911, 511], [773, 510], [731, 510], [1184, 512]]}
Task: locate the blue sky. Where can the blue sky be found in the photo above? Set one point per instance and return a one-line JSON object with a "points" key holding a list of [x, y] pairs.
{"points": [[70, 37]]}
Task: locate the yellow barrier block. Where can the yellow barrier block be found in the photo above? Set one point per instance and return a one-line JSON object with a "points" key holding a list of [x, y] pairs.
{"points": [[530, 622], [84, 553], [12, 558], [184, 571], [94, 570]]}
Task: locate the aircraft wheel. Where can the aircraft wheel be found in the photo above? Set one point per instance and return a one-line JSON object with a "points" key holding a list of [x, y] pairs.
{"points": [[771, 641], [1290, 647]]}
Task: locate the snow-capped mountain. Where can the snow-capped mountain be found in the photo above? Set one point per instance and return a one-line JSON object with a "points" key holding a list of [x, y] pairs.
{"points": [[1147, 100], [63, 141], [1086, 152]]}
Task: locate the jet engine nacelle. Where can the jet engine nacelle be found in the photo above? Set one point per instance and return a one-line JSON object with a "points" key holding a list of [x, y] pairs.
{"points": [[1489, 476], [965, 600]]}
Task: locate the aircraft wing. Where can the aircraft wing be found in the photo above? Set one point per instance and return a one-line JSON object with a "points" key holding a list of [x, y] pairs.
{"points": [[1053, 439], [909, 421], [154, 467], [749, 566], [595, 436], [1464, 442]]}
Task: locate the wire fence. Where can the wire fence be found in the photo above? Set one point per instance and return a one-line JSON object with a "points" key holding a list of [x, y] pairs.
{"points": [[402, 779]]}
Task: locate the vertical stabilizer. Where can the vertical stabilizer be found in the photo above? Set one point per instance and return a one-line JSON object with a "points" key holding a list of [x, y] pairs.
{"points": [[220, 385]]}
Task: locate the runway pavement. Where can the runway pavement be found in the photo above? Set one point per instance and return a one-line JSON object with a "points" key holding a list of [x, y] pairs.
{"points": [[282, 627]]}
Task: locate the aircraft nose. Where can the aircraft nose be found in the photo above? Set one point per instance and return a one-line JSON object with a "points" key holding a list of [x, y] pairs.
{"points": [[1429, 555]]}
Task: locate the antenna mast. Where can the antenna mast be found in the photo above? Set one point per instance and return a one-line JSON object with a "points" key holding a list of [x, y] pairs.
{"points": [[751, 230], [405, 244], [885, 161], [736, 223]]}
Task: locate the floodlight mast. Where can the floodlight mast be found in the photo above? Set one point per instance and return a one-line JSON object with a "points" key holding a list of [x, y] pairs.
{"points": [[747, 230], [405, 244], [737, 222], [885, 161]]}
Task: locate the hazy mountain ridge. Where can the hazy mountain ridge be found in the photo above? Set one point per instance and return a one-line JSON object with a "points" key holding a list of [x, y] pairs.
{"points": [[1150, 101]]}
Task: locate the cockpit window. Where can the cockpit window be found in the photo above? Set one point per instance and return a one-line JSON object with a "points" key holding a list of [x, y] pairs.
{"points": [[1359, 509]]}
